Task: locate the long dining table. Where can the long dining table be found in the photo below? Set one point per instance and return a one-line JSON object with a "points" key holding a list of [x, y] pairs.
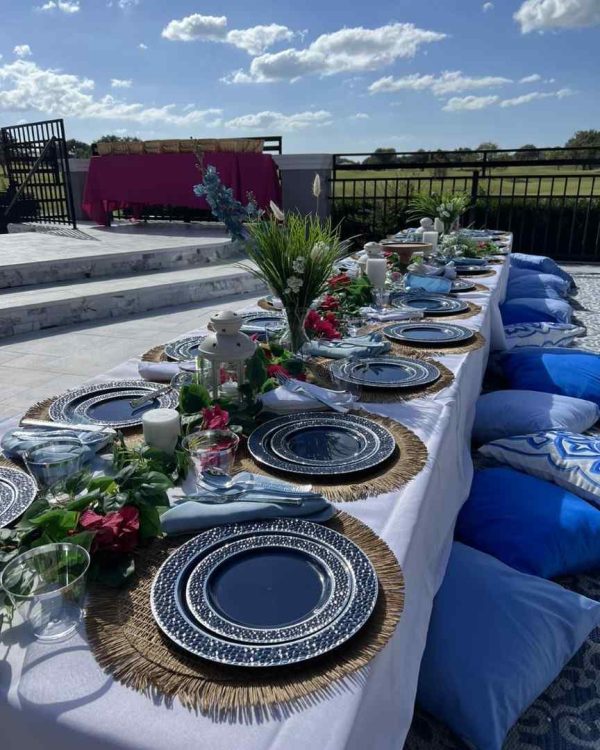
{"points": [[57, 696]]}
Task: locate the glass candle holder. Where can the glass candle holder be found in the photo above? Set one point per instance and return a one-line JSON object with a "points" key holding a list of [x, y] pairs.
{"points": [[211, 449], [47, 586], [55, 460]]}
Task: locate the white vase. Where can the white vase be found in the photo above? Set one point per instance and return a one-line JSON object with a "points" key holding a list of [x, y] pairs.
{"points": [[438, 225]]}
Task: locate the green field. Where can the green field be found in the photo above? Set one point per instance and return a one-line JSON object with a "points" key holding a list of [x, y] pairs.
{"points": [[544, 181]]}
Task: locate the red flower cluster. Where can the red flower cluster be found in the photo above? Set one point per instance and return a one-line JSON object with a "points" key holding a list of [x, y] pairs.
{"points": [[341, 279], [214, 418], [329, 303], [117, 531], [274, 370], [325, 327]]}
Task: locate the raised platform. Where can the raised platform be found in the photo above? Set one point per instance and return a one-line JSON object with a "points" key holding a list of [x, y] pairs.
{"points": [[64, 276]]}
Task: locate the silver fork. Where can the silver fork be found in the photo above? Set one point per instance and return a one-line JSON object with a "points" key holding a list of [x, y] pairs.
{"points": [[243, 496], [295, 386], [136, 403]]}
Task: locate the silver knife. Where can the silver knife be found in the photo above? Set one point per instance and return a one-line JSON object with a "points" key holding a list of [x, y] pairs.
{"points": [[30, 422]]}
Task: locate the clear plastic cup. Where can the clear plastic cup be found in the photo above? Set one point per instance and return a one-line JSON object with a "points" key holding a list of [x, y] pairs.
{"points": [[211, 449], [47, 586], [55, 460]]}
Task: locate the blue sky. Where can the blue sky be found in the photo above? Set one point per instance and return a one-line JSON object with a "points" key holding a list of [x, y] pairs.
{"points": [[329, 75]]}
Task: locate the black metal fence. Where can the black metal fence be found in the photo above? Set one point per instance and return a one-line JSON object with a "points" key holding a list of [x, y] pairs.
{"points": [[35, 163], [549, 198]]}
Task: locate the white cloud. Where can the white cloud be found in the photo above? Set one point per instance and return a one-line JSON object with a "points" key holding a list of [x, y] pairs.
{"points": [[121, 83], [448, 82], [254, 40], [458, 103], [347, 50], [141, 45], [22, 50], [540, 15], [65, 6], [361, 116], [24, 86], [487, 6], [534, 95], [533, 78], [278, 121]]}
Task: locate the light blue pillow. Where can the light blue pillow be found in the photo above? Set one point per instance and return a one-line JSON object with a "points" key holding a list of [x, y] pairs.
{"points": [[568, 372], [532, 525], [533, 287], [568, 459], [531, 310], [497, 638], [541, 334], [505, 413], [526, 275], [541, 264]]}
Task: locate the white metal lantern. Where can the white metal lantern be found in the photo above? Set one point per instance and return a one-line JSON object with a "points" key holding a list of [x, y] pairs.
{"points": [[227, 349]]}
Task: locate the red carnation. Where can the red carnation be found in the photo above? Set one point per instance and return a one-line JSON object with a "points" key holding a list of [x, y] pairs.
{"points": [[117, 531], [330, 302], [214, 418], [341, 279]]}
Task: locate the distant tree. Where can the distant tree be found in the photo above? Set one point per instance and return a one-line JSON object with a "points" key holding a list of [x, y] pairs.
{"points": [[487, 146], [585, 139], [78, 149], [382, 156], [464, 153], [528, 151]]}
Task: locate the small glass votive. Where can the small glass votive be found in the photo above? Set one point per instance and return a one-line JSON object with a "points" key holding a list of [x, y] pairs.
{"points": [[55, 460], [211, 449], [381, 297], [47, 586]]}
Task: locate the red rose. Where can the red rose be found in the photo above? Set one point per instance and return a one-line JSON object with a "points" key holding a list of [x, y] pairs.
{"points": [[330, 303], [341, 279], [214, 418], [117, 531]]}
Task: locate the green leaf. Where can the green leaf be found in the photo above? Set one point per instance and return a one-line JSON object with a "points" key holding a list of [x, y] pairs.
{"points": [[149, 521], [193, 398], [83, 539], [57, 522], [115, 502]]}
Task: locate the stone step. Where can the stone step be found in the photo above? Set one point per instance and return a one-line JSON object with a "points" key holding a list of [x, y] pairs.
{"points": [[34, 308], [30, 258]]}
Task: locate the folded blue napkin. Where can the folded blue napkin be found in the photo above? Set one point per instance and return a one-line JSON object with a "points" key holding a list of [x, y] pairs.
{"points": [[15, 443], [437, 284], [191, 516], [460, 261], [356, 346]]}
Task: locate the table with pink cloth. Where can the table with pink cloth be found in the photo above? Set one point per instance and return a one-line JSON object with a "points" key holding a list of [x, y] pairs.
{"points": [[133, 181]]}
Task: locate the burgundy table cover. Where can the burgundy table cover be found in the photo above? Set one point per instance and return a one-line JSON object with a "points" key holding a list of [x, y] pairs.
{"points": [[136, 180]]}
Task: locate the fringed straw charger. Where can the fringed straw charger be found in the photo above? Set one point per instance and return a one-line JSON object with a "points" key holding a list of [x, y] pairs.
{"points": [[128, 645]]}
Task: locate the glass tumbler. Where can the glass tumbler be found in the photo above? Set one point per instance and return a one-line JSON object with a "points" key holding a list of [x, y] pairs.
{"points": [[211, 449], [47, 586]]}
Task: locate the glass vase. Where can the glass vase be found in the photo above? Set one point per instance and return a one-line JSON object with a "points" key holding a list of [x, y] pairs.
{"points": [[295, 336]]}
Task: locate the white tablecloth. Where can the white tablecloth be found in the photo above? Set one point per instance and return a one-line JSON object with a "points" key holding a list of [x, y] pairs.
{"points": [[56, 696]]}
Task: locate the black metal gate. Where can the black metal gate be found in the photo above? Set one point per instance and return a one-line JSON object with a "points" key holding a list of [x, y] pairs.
{"points": [[37, 182]]}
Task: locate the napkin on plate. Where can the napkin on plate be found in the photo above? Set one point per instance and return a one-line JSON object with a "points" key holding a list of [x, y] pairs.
{"points": [[437, 284], [395, 314], [191, 516], [424, 269], [15, 443], [356, 346], [470, 261], [158, 372], [282, 401]]}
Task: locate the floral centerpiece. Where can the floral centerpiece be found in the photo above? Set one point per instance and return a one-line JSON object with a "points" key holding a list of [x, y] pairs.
{"points": [[295, 257], [448, 207], [458, 246]]}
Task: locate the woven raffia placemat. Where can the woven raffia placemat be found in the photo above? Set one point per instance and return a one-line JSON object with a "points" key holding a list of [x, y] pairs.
{"points": [[474, 309], [381, 396], [478, 288], [128, 645], [422, 350], [407, 461]]}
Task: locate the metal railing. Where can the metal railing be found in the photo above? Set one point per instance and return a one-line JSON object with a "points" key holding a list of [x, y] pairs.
{"points": [[549, 200]]}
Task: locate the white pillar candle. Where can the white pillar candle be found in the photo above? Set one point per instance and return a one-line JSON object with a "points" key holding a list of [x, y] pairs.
{"points": [[161, 429], [431, 238], [376, 271]]}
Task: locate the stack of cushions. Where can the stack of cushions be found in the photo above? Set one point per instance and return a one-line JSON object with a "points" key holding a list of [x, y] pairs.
{"points": [[520, 412], [525, 283], [541, 334], [534, 526], [568, 372], [533, 310], [497, 638], [568, 459], [540, 264]]}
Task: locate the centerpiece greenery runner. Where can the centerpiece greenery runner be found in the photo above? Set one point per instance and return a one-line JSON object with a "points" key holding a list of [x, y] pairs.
{"points": [[448, 207]]}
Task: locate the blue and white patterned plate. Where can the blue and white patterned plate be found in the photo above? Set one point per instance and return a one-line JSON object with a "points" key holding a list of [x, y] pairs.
{"points": [[461, 285], [385, 372], [177, 621], [262, 322], [17, 492], [439, 334], [233, 591], [184, 349], [321, 445], [429, 303]]}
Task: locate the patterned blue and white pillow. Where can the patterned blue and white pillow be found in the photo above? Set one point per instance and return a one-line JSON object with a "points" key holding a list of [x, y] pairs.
{"points": [[569, 459], [541, 334]]}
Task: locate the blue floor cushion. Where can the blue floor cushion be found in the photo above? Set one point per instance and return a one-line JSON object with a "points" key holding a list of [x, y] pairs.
{"points": [[505, 413], [530, 524], [525, 276], [569, 459], [568, 372], [532, 310], [541, 334], [539, 263], [532, 287], [497, 638]]}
